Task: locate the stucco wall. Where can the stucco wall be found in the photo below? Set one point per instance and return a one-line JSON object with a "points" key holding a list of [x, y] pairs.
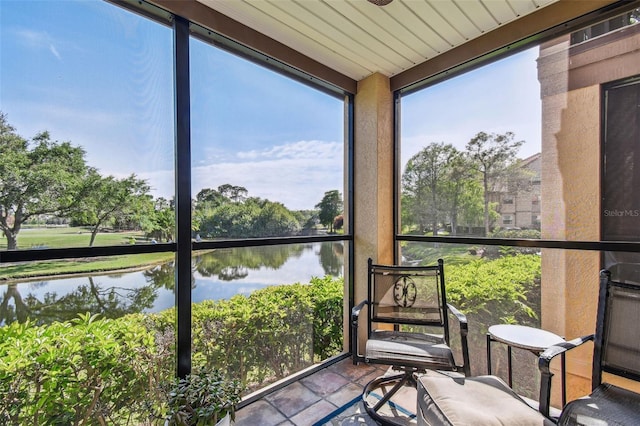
{"points": [[373, 178], [570, 80], [570, 209]]}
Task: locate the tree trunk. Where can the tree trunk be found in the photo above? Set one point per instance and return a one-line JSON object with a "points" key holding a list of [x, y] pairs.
{"points": [[21, 309], [12, 240], [94, 232], [486, 205]]}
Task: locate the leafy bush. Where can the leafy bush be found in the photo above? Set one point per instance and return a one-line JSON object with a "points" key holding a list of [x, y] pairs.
{"points": [[83, 371], [202, 398], [532, 234], [327, 296], [269, 334], [505, 288], [117, 371]]}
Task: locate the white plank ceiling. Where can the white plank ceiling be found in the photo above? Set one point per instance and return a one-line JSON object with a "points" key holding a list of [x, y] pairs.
{"points": [[358, 38]]}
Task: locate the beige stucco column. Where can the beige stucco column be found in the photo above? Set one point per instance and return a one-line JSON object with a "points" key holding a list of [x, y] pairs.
{"points": [[571, 160], [571, 171], [373, 180], [570, 210]]}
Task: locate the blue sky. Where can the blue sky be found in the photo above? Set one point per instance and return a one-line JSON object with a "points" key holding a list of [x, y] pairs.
{"points": [[101, 77], [500, 97]]}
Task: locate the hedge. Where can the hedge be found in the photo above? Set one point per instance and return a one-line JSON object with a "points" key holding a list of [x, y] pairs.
{"points": [[99, 371]]}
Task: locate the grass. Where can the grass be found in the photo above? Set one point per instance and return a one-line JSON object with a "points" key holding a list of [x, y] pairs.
{"points": [[64, 237], [76, 237], [81, 266]]}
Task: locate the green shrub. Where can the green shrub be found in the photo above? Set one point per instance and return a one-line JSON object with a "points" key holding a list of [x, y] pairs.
{"points": [[269, 334], [83, 371], [505, 288], [117, 371], [202, 398], [327, 295]]}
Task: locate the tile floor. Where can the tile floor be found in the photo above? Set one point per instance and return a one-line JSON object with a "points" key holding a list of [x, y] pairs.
{"points": [[310, 399]]}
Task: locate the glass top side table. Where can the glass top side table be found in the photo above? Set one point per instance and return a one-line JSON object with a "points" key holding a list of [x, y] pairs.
{"points": [[532, 339]]}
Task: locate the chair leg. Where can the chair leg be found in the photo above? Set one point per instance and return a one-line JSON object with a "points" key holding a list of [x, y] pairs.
{"points": [[401, 379]]}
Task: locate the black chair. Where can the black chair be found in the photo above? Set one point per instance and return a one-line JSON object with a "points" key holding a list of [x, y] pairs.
{"points": [[412, 302], [487, 400], [616, 350]]}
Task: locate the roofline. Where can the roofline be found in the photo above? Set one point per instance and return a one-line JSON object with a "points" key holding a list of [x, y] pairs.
{"points": [[543, 24]]}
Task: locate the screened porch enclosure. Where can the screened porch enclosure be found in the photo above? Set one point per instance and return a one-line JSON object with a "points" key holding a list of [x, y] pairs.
{"points": [[229, 167]]}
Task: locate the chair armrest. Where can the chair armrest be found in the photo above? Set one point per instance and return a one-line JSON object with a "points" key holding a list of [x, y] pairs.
{"points": [[464, 330], [462, 318], [551, 352], [355, 313], [545, 372]]}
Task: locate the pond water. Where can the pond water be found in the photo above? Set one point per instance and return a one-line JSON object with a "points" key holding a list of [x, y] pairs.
{"points": [[216, 275]]}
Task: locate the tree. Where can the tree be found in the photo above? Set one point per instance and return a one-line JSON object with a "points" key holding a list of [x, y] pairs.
{"points": [[210, 197], [492, 156], [109, 198], [275, 220], [424, 185], [40, 177], [330, 207], [232, 192], [207, 200], [164, 223], [464, 200]]}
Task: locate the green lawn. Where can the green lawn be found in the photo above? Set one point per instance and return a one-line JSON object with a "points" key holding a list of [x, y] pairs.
{"points": [[68, 237], [76, 237]]}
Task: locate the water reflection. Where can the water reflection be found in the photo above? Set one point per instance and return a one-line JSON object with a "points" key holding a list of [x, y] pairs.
{"points": [[219, 274]]}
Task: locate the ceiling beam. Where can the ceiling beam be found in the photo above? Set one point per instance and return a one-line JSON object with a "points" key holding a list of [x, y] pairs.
{"points": [[553, 15]]}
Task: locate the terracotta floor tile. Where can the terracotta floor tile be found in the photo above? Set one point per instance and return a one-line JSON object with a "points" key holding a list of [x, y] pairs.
{"points": [[259, 413], [304, 402], [293, 399], [314, 413], [324, 382]]}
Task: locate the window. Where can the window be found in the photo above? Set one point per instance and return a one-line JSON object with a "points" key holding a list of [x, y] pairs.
{"points": [[267, 172], [467, 190], [626, 19], [266, 150], [621, 174], [553, 137], [113, 115], [94, 125]]}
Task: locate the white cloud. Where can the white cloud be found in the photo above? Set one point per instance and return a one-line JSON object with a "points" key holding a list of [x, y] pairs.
{"points": [[296, 174], [39, 40], [296, 150], [53, 50]]}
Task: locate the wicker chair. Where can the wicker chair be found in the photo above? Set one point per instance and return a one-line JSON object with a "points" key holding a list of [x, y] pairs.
{"points": [[412, 302], [487, 400]]}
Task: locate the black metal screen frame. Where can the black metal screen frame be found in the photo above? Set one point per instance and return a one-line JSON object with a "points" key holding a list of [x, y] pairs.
{"points": [[183, 29]]}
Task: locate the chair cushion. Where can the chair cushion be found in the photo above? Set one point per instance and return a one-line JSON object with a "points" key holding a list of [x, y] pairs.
{"points": [[608, 405], [477, 401], [409, 349]]}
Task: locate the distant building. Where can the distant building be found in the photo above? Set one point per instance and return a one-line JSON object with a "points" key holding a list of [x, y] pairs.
{"points": [[519, 206]]}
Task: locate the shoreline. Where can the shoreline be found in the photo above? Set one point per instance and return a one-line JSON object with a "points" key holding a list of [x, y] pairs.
{"points": [[89, 273], [63, 275]]}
